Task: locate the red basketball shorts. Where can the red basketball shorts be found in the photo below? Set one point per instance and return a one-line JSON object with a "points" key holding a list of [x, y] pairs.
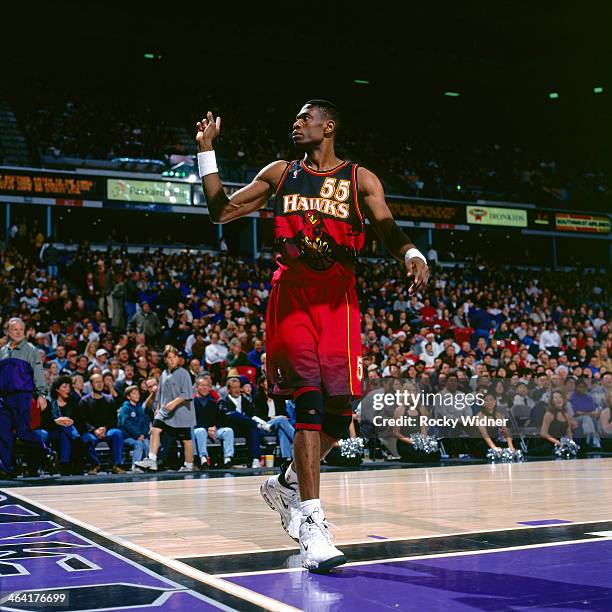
{"points": [[313, 338]]}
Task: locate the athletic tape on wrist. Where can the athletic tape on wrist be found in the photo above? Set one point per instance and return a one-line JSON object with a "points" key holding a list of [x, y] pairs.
{"points": [[412, 253], [207, 163]]}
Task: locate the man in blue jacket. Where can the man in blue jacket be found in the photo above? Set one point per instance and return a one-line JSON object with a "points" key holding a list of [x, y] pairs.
{"points": [[135, 425]]}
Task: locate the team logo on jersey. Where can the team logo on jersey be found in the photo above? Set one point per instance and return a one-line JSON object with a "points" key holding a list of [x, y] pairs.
{"points": [[313, 242]]}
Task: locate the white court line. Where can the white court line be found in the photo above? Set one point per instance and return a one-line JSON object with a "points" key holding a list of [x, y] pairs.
{"points": [[399, 539], [233, 589], [421, 557]]}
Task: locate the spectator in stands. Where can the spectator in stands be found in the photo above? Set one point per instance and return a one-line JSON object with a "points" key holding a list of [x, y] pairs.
{"points": [[129, 379], [60, 357], [131, 295], [585, 413], [605, 423], [150, 387], [195, 369], [109, 386], [134, 424], [103, 287], [215, 354], [97, 416], [522, 404], [146, 322], [78, 386], [254, 356], [175, 415], [118, 294], [57, 427], [21, 374], [211, 424], [550, 340], [239, 410], [236, 356], [100, 360], [272, 413]]}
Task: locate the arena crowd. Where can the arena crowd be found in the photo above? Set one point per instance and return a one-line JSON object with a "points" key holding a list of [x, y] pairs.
{"points": [[421, 157], [104, 326]]}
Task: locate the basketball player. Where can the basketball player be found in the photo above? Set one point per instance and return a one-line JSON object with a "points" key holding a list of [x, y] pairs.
{"points": [[313, 321]]}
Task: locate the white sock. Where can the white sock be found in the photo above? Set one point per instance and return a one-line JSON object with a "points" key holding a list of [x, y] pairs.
{"points": [[309, 506], [189, 465], [291, 476], [153, 456]]}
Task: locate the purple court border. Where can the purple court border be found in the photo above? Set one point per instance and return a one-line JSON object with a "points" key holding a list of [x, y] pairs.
{"points": [[544, 522], [559, 577]]}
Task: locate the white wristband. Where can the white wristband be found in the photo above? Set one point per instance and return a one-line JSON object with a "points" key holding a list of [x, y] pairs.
{"points": [[207, 163], [412, 253]]}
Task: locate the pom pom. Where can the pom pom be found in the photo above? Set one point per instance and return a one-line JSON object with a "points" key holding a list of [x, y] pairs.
{"points": [[504, 455], [351, 447], [427, 444], [494, 455], [568, 449]]}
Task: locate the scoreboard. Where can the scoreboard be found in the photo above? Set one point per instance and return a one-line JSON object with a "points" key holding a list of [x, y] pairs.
{"points": [[49, 184]]}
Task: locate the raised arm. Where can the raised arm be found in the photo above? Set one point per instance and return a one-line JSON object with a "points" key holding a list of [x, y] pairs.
{"points": [[250, 198], [372, 195]]}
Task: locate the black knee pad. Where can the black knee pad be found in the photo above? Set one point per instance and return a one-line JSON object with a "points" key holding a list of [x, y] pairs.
{"points": [[337, 425], [309, 410]]}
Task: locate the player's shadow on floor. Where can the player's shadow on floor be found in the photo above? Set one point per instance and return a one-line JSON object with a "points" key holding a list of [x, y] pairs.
{"points": [[491, 591]]}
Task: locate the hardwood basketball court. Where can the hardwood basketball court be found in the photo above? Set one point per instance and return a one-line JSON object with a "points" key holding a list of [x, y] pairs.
{"points": [[219, 533]]}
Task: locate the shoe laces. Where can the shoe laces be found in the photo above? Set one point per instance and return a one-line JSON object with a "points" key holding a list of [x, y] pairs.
{"points": [[322, 525], [327, 531]]}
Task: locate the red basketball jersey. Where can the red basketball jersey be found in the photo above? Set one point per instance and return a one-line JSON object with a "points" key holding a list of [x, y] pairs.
{"points": [[317, 216]]}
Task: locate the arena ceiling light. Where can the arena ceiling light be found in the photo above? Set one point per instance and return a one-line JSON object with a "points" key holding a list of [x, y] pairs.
{"points": [[597, 90], [452, 94], [553, 95], [361, 82]]}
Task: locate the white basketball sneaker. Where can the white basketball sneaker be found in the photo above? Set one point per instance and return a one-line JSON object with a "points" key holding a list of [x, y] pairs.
{"points": [[285, 500], [319, 555], [147, 464]]}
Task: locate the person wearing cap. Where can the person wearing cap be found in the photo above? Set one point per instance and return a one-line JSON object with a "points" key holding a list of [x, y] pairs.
{"points": [[435, 349], [100, 361], [40, 343]]}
